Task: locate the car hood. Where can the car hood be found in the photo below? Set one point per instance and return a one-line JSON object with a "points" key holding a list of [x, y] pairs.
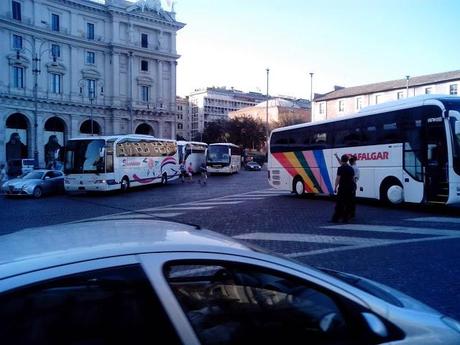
{"points": [[18, 183], [382, 291]]}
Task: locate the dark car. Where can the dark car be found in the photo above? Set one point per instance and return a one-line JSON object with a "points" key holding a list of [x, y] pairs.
{"points": [[36, 183], [253, 166]]}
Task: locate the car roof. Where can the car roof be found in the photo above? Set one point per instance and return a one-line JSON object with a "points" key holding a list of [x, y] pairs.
{"points": [[38, 248]]}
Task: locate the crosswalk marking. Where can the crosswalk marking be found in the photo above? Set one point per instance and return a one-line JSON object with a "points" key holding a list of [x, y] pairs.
{"points": [[216, 203], [453, 220], [176, 208], [299, 237], [394, 229]]}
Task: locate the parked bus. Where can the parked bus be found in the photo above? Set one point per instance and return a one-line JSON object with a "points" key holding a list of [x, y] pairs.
{"points": [[119, 162], [407, 151], [223, 158], [192, 152]]}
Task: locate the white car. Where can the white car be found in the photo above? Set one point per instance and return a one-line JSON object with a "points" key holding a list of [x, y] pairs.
{"points": [[144, 282]]}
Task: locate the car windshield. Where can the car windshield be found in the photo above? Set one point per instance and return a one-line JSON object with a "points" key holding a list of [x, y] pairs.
{"points": [[33, 175]]}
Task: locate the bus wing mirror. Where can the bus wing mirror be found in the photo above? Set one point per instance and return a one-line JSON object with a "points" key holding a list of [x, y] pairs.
{"points": [[102, 152], [457, 127]]}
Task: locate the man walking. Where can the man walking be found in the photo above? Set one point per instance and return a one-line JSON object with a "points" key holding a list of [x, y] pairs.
{"points": [[355, 187], [344, 184]]}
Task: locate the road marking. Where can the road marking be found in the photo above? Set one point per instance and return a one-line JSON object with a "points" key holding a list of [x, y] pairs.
{"points": [[299, 237], [176, 208], [215, 203], [394, 229], [436, 219]]}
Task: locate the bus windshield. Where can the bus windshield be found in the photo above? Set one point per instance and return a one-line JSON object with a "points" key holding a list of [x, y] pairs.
{"points": [[85, 156], [218, 154], [454, 120]]}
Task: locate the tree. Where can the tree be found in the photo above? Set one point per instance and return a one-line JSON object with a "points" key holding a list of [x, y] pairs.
{"points": [[214, 131]]}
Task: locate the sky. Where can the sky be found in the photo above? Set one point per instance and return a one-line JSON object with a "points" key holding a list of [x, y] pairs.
{"points": [[343, 42]]}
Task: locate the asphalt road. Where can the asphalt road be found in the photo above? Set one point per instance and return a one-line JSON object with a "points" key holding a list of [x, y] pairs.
{"points": [[414, 249]]}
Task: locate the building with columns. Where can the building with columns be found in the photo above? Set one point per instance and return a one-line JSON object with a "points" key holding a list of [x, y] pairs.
{"points": [[184, 119], [79, 67], [348, 100]]}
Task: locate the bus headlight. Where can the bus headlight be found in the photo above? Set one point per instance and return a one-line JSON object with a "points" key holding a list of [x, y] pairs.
{"points": [[100, 181]]}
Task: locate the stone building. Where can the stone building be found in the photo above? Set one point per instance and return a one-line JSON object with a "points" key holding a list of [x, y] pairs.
{"points": [[99, 68], [348, 100]]}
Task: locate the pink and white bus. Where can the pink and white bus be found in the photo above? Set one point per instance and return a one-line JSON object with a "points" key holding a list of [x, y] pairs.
{"points": [[407, 151]]}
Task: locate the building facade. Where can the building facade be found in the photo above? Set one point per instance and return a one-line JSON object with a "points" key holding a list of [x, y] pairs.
{"points": [[184, 118], [81, 67], [212, 104], [280, 112], [349, 100]]}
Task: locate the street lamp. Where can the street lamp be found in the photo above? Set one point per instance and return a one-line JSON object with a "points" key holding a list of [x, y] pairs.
{"points": [[407, 86], [91, 94], [266, 112], [36, 65], [311, 87]]}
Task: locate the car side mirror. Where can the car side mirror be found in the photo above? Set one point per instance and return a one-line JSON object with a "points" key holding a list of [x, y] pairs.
{"points": [[375, 325], [47, 177]]}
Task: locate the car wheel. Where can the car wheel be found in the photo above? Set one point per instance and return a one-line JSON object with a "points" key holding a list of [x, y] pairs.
{"points": [[299, 186], [124, 185], [164, 179], [37, 193]]}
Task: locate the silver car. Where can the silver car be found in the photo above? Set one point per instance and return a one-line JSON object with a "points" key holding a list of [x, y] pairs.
{"points": [[35, 183], [144, 281]]}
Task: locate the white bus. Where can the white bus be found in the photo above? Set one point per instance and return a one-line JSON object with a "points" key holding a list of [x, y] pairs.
{"points": [[119, 162], [223, 158], [192, 152], [407, 151]]}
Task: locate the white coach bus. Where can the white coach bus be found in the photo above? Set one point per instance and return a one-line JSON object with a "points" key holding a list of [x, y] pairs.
{"points": [[119, 162], [223, 158], [407, 151], [192, 152]]}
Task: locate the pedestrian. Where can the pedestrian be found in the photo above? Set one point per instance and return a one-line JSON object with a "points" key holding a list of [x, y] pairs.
{"points": [[355, 187], [203, 173], [183, 172], [344, 183], [3, 174], [190, 172]]}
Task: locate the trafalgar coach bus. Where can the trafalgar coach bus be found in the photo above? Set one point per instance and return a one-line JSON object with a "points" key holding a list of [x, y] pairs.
{"points": [[223, 158], [407, 151], [192, 152], [119, 162]]}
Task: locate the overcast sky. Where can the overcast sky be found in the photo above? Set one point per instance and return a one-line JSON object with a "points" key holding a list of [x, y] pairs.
{"points": [[347, 42]]}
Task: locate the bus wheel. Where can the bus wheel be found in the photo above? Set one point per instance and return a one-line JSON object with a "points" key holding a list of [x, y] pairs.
{"points": [[124, 185], [164, 179], [391, 192], [299, 187]]}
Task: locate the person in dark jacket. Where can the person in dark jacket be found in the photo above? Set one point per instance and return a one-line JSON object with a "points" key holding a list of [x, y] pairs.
{"points": [[52, 151], [344, 187]]}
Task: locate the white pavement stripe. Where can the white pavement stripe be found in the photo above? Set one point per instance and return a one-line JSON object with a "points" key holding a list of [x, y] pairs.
{"points": [[394, 229], [176, 208], [346, 248], [296, 237], [453, 220], [215, 203], [241, 198], [166, 215]]}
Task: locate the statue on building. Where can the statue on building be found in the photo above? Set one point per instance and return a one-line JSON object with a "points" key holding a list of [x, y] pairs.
{"points": [[15, 149], [53, 153]]}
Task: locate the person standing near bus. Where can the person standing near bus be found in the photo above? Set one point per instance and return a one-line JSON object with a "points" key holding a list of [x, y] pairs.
{"points": [[344, 184], [183, 171], [352, 161], [190, 172], [203, 173]]}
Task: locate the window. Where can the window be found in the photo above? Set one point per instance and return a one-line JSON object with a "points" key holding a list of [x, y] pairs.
{"points": [[322, 108], [91, 84], [144, 65], [108, 306], [234, 304], [428, 90], [144, 40], [56, 50], [90, 58], [16, 7], [55, 22], [17, 42], [359, 103], [180, 126], [18, 77], [56, 83], [90, 31], [341, 106], [145, 91], [378, 99], [453, 89], [400, 95]]}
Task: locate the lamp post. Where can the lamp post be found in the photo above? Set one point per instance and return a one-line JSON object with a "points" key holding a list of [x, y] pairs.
{"points": [[266, 112], [311, 87], [407, 86], [91, 94], [36, 63]]}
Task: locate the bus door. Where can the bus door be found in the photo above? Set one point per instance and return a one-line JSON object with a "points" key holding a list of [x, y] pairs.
{"points": [[436, 179]]}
